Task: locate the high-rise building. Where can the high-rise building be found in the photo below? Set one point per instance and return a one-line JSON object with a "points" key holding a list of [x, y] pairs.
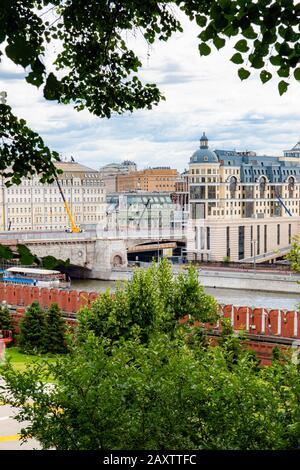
{"points": [[33, 205], [242, 204]]}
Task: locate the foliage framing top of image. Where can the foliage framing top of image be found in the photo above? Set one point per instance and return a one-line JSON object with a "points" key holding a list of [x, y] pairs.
{"points": [[97, 67]]}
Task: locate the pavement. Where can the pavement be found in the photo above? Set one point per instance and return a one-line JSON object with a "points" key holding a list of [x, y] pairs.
{"points": [[10, 431]]}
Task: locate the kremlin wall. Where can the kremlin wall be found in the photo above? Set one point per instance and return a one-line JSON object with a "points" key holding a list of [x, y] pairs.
{"points": [[264, 328]]}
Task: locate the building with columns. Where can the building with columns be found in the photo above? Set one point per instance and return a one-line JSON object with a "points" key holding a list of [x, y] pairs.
{"points": [[33, 205], [241, 205]]}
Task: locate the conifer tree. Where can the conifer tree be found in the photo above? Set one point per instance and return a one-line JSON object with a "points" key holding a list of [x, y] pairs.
{"points": [[55, 331], [5, 319], [32, 337]]}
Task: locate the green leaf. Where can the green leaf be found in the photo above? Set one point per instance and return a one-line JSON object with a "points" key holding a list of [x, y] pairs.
{"points": [[204, 49], [256, 61], [237, 58], [52, 88], [38, 66], [20, 52], [242, 46], [219, 42], [249, 33], [282, 87], [283, 71], [243, 73], [276, 60], [201, 20], [35, 79], [297, 73], [2, 36], [265, 76]]}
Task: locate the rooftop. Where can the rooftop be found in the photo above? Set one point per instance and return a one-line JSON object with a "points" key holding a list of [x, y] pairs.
{"points": [[74, 167]]}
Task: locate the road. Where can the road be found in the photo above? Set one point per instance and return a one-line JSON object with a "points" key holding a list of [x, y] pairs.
{"points": [[10, 430]]}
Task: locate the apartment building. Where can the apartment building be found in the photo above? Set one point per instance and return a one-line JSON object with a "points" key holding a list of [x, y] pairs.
{"points": [[150, 179], [110, 171], [242, 205], [36, 206]]}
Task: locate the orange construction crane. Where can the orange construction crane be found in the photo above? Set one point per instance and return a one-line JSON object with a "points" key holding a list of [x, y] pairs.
{"points": [[74, 228]]}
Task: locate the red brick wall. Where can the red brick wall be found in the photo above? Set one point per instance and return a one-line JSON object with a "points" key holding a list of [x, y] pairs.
{"points": [[252, 320]]}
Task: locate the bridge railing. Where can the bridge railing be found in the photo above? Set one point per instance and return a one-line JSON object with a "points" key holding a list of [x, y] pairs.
{"points": [[156, 234]]}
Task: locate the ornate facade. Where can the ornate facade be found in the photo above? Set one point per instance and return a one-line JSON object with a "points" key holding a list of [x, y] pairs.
{"points": [[242, 205]]}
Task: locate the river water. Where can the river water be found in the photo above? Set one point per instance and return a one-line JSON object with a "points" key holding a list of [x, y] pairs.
{"points": [[225, 296]]}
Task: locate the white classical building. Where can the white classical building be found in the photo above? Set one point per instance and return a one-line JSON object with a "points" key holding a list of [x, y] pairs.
{"points": [[33, 205]]}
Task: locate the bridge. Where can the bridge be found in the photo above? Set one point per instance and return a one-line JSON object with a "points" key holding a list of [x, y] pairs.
{"points": [[96, 251]]}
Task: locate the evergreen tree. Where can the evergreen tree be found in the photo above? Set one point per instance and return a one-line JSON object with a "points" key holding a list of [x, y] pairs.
{"points": [[5, 319], [55, 331], [32, 337]]}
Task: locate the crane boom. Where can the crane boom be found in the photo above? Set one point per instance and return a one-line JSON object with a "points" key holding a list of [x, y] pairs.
{"points": [[283, 205], [74, 229]]}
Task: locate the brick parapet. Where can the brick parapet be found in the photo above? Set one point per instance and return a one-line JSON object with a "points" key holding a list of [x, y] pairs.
{"points": [[275, 323]]}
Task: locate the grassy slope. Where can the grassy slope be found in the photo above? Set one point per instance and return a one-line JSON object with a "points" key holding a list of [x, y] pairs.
{"points": [[20, 361]]}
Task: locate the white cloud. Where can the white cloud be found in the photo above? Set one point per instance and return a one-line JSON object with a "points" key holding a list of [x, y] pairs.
{"points": [[203, 93]]}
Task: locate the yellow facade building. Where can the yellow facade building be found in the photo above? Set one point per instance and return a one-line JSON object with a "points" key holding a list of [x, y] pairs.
{"points": [[152, 179]]}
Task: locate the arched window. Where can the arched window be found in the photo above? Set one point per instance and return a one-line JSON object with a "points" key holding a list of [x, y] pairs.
{"points": [[291, 186], [232, 186], [262, 187]]}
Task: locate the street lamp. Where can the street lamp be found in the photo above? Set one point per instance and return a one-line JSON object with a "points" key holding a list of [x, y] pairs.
{"points": [[254, 253]]}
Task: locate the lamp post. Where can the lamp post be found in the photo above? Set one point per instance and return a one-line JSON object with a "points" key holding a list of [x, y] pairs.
{"points": [[254, 253]]}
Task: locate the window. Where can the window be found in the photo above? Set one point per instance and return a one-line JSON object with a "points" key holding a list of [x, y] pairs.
{"points": [[265, 238], [228, 241], [211, 192], [258, 239], [241, 242], [290, 233], [208, 238], [251, 240], [232, 186], [278, 234], [198, 210], [197, 192], [262, 187]]}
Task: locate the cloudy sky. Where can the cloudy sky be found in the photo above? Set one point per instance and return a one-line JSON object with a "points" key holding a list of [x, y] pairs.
{"points": [[202, 94]]}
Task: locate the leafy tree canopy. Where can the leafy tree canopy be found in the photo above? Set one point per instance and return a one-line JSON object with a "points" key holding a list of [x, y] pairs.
{"points": [[153, 300], [156, 396], [95, 68]]}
